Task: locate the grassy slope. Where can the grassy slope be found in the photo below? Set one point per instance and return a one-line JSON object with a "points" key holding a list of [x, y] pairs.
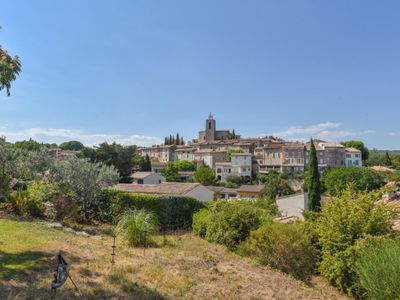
{"points": [[186, 268]]}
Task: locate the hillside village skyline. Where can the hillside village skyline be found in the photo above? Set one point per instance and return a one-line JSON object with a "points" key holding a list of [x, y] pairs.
{"points": [[327, 131]]}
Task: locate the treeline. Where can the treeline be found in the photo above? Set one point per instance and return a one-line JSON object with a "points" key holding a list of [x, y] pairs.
{"points": [[174, 140]]}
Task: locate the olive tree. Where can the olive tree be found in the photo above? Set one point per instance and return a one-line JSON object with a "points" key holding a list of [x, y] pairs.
{"points": [[84, 181]]}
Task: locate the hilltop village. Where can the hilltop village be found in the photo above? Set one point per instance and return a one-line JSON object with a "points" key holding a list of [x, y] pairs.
{"points": [[249, 156]]}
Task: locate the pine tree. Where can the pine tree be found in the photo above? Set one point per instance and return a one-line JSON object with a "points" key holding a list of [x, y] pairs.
{"points": [[314, 183]]}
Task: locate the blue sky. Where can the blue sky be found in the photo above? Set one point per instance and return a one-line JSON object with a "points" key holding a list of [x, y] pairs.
{"points": [[135, 71]]}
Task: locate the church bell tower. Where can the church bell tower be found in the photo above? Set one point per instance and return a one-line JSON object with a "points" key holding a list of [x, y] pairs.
{"points": [[210, 129]]}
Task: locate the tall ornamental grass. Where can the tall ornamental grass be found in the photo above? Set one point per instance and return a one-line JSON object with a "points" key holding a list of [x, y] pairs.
{"points": [[138, 227]]}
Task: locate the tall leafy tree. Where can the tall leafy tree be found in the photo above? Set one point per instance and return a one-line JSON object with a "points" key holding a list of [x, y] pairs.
{"points": [[313, 180], [204, 175], [10, 67], [121, 157], [83, 181]]}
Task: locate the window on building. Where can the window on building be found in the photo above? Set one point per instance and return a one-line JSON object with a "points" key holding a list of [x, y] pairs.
{"points": [[140, 181], [348, 155]]}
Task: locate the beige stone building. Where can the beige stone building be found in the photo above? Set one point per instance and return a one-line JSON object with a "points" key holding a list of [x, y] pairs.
{"points": [[162, 153], [209, 157]]}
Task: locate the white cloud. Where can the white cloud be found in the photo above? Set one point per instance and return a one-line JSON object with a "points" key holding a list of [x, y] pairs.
{"points": [[394, 133], [58, 135], [311, 130], [327, 131]]}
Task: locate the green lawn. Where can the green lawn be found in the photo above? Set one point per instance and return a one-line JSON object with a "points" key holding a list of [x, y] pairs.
{"points": [[21, 246]]}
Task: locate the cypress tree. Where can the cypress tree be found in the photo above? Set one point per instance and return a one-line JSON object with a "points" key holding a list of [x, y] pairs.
{"points": [[177, 139], [314, 183], [182, 141], [233, 134], [147, 164], [388, 161]]}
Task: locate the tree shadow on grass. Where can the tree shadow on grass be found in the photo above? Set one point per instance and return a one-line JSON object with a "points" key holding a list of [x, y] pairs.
{"points": [[22, 275]]}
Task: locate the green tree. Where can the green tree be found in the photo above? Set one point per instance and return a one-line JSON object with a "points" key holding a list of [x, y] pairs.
{"points": [[204, 175], [360, 146], [121, 157], [10, 67], [336, 180], [313, 181], [5, 168], [83, 181], [170, 172], [29, 145], [275, 186], [184, 165], [146, 166], [72, 145], [375, 158]]}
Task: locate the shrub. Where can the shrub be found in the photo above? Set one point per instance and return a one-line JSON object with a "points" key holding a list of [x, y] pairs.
{"points": [[378, 268], [342, 222], [228, 222], [37, 195], [336, 180], [137, 227], [171, 211], [33, 207], [201, 220], [285, 247]]}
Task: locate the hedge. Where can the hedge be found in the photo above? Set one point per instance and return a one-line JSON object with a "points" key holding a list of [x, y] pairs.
{"points": [[172, 211]]}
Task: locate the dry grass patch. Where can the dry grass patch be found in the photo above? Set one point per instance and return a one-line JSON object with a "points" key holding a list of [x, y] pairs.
{"points": [[187, 267]]}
